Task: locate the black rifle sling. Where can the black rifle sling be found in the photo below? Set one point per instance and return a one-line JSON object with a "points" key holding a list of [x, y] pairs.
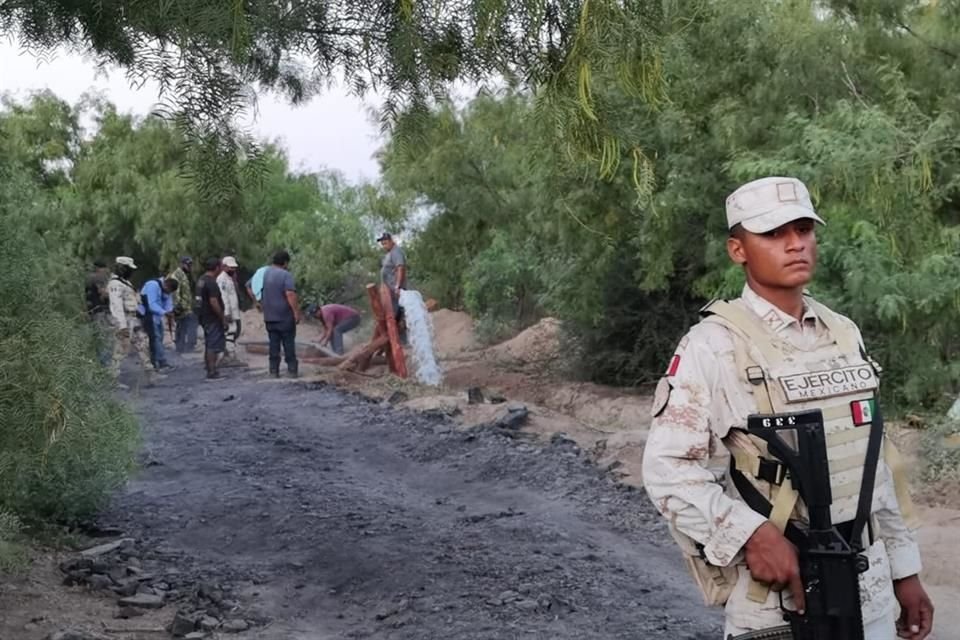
{"points": [[761, 505], [865, 503]]}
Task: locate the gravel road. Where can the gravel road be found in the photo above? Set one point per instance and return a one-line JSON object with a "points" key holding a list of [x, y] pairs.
{"points": [[322, 515]]}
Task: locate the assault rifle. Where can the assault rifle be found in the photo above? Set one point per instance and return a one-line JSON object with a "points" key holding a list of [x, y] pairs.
{"points": [[830, 563]]}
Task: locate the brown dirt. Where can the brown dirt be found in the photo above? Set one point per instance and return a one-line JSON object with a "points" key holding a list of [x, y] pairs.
{"points": [[452, 333]]}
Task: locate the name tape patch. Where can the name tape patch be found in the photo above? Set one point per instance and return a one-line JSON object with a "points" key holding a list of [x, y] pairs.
{"points": [[803, 387]]}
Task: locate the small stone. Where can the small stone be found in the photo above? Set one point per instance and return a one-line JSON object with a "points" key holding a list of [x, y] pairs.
{"points": [[195, 635], [397, 397], [75, 578], [525, 587], [127, 588], [508, 596], [124, 613], [73, 634], [101, 549], [182, 624], [209, 623], [76, 565], [514, 418], [528, 605], [475, 395], [98, 581], [100, 566], [235, 626], [143, 601]]}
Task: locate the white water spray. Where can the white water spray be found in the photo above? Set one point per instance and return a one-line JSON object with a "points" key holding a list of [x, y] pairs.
{"points": [[420, 335]]}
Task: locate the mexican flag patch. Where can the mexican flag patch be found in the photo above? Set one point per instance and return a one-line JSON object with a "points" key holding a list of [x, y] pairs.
{"points": [[863, 411]]}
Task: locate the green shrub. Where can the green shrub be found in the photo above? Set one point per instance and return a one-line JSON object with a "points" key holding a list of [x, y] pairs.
{"points": [[12, 554], [65, 444]]}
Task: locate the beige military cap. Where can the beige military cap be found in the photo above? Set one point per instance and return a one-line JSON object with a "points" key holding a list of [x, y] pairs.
{"points": [[124, 260], [765, 204]]}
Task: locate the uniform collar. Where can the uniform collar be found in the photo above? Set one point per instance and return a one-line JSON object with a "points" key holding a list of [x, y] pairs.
{"points": [[775, 318]]}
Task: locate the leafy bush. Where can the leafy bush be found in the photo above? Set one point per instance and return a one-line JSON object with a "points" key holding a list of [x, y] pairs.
{"points": [[64, 443], [501, 286], [12, 554]]}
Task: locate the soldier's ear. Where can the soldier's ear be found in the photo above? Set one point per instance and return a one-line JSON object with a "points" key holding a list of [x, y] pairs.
{"points": [[735, 250]]}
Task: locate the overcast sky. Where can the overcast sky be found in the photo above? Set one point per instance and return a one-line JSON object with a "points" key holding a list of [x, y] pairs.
{"points": [[333, 130]]}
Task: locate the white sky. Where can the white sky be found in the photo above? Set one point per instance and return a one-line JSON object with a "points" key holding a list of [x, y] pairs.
{"points": [[333, 130]]}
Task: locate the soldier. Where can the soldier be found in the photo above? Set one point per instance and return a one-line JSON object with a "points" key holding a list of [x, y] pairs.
{"points": [[98, 309], [227, 281], [770, 351], [124, 301], [184, 309]]}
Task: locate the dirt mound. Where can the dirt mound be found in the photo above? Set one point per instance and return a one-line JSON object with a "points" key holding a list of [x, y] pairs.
{"points": [[538, 343], [452, 332]]}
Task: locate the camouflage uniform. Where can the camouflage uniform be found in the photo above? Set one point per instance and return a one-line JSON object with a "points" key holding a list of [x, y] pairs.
{"points": [[183, 312], [124, 300], [232, 314], [702, 397]]}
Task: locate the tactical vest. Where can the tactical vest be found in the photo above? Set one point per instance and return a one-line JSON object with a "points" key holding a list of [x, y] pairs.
{"points": [[834, 376], [128, 294]]}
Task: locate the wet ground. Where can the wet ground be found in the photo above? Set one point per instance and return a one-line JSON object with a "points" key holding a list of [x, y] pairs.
{"points": [[325, 515]]}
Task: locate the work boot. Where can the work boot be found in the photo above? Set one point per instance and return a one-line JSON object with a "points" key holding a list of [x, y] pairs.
{"points": [[232, 361]]}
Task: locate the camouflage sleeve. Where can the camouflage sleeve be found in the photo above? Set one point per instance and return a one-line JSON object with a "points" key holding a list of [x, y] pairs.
{"points": [[117, 313], [677, 471], [182, 300], [902, 549]]}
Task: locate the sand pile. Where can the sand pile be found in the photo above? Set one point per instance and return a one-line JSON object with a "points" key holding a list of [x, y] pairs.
{"points": [[452, 333], [539, 343]]}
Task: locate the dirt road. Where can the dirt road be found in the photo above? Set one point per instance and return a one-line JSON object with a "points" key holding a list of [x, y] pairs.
{"points": [[328, 516]]}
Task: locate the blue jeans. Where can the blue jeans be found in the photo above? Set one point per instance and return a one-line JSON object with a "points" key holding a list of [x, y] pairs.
{"points": [[282, 334], [154, 328], [186, 335], [336, 339]]}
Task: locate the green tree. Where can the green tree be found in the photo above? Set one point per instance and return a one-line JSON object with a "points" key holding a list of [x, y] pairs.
{"points": [[848, 98], [208, 56], [64, 444]]}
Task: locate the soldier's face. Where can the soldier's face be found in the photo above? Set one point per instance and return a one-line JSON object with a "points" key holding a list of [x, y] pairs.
{"points": [[784, 258]]}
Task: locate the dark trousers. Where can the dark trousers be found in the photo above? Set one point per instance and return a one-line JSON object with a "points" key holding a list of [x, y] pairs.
{"points": [[336, 339], [283, 334], [156, 354], [186, 333]]}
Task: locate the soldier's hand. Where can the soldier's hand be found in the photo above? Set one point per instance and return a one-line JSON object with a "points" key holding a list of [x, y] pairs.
{"points": [[124, 333], [916, 609], [771, 558]]}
